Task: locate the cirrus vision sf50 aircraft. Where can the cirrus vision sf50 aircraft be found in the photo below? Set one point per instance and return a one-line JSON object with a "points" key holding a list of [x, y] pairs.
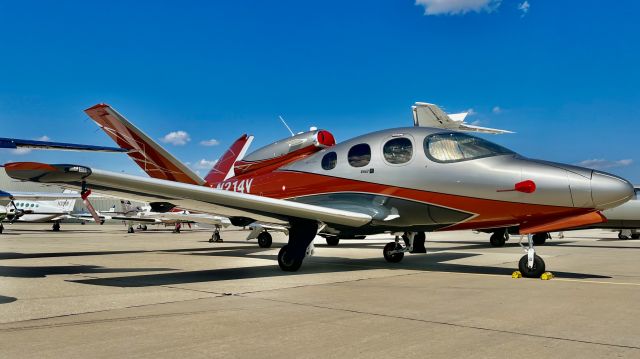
{"points": [[401, 181]]}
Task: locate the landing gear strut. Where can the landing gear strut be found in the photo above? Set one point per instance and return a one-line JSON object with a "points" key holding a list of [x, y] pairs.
{"points": [[215, 237], [56, 226], [531, 265], [301, 235], [393, 252]]}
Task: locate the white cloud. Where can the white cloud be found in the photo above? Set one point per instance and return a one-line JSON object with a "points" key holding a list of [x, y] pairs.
{"points": [[471, 112], [205, 164], [209, 143], [599, 163], [176, 138], [476, 123], [43, 138], [524, 7], [457, 7], [496, 110]]}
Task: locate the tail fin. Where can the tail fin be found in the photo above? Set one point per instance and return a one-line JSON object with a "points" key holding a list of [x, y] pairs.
{"points": [[148, 154], [223, 169]]}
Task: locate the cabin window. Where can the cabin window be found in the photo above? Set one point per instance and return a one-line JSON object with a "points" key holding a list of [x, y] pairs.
{"points": [[359, 155], [456, 147], [329, 161], [398, 150]]}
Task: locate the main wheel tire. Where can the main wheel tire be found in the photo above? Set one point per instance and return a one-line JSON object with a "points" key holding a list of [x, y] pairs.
{"points": [[130, 230], [144, 227], [288, 264], [392, 258], [1, 228], [497, 239], [332, 241], [635, 236], [265, 240], [622, 236], [56, 227], [534, 272], [540, 238]]}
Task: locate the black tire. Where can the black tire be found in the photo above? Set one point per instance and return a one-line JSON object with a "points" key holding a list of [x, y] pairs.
{"points": [[536, 271], [392, 258], [56, 227], [332, 241], [288, 264], [144, 227], [497, 239], [265, 240], [1, 228], [130, 230], [635, 236], [622, 236], [540, 238]]}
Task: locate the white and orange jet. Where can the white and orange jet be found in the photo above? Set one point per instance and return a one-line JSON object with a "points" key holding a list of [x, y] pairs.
{"points": [[403, 180]]}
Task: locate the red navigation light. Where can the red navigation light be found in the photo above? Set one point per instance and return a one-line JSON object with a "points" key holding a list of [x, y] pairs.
{"points": [[527, 186], [325, 138]]}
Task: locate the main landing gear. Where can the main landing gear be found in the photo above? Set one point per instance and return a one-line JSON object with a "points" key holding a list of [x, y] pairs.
{"points": [[56, 226], [215, 237], [142, 227], [499, 237], [531, 265], [300, 245], [1, 228], [413, 243], [626, 233]]}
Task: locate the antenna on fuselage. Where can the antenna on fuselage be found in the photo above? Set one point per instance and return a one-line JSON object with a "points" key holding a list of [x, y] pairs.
{"points": [[285, 125]]}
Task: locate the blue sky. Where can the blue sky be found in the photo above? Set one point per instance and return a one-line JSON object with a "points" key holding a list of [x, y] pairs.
{"points": [[562, 74]]}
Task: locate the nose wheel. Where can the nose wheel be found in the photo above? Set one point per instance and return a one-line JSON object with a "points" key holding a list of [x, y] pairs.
{"points": [[531, 265]]}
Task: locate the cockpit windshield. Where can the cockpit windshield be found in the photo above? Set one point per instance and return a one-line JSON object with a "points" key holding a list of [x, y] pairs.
{"points": [[456, 147]]}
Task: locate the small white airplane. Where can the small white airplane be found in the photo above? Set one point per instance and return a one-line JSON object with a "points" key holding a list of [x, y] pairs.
{"points": [[430, 115], [36, 207], [146, 215]]}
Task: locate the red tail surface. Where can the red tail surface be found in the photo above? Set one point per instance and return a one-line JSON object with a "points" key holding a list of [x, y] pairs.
{"points": [[149, 155], [223, 169]]}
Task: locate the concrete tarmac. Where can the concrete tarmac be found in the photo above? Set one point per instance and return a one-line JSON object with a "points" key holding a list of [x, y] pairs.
{"points": [[97, 292]]}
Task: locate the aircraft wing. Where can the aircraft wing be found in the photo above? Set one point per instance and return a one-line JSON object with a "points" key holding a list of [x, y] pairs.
{"points": [[240, 208], [430, 115], [14, 143], [472, 128], [37, 196], [188, 217]]}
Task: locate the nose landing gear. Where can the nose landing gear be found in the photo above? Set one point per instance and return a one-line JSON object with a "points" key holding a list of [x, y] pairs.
{"points": [[531, 265]]}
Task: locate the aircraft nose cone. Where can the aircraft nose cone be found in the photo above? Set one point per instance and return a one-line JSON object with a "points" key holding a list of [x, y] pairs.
{"points": [[609, 191]]}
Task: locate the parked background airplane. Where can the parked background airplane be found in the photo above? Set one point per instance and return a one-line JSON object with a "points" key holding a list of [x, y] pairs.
{"points": [[37, 207], [398, 180], [430, 115]]}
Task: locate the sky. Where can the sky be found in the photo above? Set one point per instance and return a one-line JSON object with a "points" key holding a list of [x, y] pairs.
{"points": [[197, 74]]}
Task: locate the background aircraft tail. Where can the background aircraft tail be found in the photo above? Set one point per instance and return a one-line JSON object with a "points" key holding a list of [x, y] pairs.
{"points": [[223, 169], [148, 154]]}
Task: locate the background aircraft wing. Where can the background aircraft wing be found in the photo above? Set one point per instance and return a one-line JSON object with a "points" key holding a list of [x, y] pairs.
{"points": [[61, 146], [472, 128], [240, 208], [36, 196], [189, 217], [430, 115]]}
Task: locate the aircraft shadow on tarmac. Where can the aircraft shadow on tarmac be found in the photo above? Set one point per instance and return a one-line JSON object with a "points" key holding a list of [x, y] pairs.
{"points": [[5, 300], [43, 271], [428, 263]]}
